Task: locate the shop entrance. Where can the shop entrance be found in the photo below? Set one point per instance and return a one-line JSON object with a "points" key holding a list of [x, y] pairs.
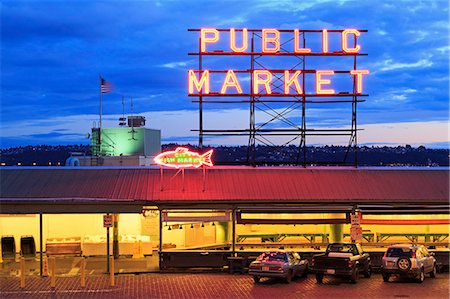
{"points": [[67, 239]]}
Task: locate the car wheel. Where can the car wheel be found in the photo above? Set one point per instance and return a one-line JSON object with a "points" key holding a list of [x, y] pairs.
{"points": [[256, 279], [433, 273], [386, 277], [319, 278], [368, 272], [354, 276], [289, 276], [404, 264], [421, 276]]}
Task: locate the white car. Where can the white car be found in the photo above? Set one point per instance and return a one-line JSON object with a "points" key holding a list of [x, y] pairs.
{"points": [[278, 264], [408, 260]]}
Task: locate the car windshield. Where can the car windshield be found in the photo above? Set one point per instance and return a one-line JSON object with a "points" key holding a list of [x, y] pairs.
{"points": [[342, 248], [398, 252], [273, 256]]}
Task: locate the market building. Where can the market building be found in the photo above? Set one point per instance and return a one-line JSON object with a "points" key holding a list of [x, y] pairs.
{"points": [[201, 217]]}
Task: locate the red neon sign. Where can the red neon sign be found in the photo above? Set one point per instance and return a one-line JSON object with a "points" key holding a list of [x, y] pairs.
{"points": [[200, 82], [271, 41], [183, 158], [274, 42]]}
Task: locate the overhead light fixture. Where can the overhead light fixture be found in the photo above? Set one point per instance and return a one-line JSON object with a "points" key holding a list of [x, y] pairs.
{"points": [[192, 226], [213, 224], [170, 227], [203, 225], [181, 227]]}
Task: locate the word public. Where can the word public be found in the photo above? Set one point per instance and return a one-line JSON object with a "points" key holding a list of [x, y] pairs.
{"points": [[261, 80]]}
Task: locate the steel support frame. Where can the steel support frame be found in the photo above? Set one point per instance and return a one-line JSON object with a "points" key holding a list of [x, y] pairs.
{"points": [[298, 104]]}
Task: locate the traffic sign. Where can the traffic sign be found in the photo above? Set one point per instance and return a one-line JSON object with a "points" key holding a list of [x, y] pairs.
{"points": [[355, 219], [107, 220], [356, 232]]}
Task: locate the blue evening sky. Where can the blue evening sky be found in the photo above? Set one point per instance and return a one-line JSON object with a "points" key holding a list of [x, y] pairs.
{"points": [[53, 51]]}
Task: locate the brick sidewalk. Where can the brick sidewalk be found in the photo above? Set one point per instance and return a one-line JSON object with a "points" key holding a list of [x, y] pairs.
{"points": [[222, 286]]}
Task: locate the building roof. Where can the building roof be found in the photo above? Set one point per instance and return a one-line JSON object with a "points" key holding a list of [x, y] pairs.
{"points": [[226, 184]]}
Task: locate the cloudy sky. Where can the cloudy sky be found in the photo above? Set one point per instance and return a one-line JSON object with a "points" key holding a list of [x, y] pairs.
{"points": [[52, 53]]}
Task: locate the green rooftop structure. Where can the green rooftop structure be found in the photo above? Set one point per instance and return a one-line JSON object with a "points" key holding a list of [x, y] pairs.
{"points": [[126, 141]]}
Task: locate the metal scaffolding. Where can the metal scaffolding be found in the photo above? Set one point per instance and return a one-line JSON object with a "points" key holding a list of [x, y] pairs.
{"points": [[296, 132]]}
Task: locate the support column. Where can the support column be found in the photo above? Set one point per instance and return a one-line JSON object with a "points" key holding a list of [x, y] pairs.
{"points": [[116, 236], [107, 248], [233, 231], [336, 231], [222, 232], [41, 247], [160, 238], [427, 230]]}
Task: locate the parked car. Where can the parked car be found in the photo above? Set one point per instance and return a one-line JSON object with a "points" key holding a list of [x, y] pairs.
{"points": [[278, 264], [342, 259], [413, 261]]}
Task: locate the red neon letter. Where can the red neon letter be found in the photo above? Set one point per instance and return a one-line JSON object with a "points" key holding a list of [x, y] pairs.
{"points": [[204, 80], [297, 49], [324, 41], [288, 82], [257, 81], [233, 41], [230, 81], [358, 74], [345, 33], [210, 40], [320, 82], [275, 40]]}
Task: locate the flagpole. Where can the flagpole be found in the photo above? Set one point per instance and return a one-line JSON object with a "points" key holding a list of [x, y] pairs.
{"points": [[100, 90], [100, 124]]}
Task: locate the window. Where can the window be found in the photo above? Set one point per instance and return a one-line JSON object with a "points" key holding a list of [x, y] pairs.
{"points": [[343, 248], [273, 256], [398, 252]]}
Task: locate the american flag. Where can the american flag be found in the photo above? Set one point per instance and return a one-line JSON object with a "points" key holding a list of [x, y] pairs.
{"points": [[105, 86]]}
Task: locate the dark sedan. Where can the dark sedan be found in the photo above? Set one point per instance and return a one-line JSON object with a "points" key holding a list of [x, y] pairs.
{"points": [[278, 264]]}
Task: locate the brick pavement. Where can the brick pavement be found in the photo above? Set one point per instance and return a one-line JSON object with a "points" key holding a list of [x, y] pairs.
{"points": [[215, 285]]}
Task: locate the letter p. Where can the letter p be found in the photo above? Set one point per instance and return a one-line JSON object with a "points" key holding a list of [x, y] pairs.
{"points": [[213, 37]]}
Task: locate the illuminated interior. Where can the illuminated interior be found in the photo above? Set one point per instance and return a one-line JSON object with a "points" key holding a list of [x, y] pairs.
{"points": [[85, 230], [192, 230], [212, 230]]}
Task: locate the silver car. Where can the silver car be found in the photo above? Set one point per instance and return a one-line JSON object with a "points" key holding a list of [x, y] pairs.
{"points": [[408, 260], [278, 264]]}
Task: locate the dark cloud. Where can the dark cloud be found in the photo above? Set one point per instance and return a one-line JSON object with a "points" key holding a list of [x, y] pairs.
{"points": [[47, 138], [53, 52]]}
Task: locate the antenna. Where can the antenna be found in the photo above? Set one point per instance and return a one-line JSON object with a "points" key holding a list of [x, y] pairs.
{"points": [[132, 122], [122, 120], [123, 108], [131, 98]]}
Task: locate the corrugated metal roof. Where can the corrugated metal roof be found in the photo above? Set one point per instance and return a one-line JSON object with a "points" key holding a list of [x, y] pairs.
{"points": [[228, 184]]}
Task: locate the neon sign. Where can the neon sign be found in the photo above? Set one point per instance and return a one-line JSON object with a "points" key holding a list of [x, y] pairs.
{"points": [[182, 157], [271, 40], [272, 43]]}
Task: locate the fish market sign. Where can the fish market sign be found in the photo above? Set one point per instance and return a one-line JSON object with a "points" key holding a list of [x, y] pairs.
{"points": [[183, 158]]}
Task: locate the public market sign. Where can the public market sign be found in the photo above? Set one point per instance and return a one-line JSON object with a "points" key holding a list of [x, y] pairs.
{"points": [[182, 157], [274, 42]]}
